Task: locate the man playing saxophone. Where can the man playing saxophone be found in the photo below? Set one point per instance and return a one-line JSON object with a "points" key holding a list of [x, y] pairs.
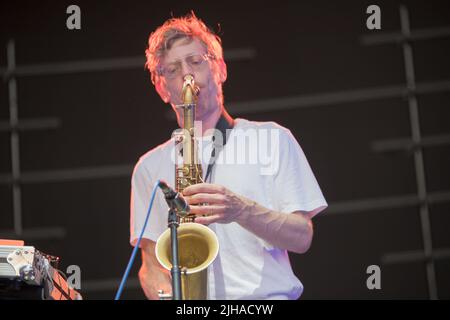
{"points": [[259, 210]]}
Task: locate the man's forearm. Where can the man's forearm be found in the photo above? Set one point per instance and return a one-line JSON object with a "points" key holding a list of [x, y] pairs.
{"points": [[292, 231]]}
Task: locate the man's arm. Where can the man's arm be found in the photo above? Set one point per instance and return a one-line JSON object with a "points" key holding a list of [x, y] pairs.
{"points": [[152, 275], [293, 232]]}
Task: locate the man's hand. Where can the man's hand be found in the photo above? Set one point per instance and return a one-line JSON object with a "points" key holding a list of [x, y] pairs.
{"points": [[152, 276], [290, 231], [216, 202]]}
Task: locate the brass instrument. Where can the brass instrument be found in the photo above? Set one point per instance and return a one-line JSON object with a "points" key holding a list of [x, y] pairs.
{"points": [[198, 245]]}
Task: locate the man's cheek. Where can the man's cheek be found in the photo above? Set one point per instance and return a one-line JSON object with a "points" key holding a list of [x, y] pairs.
{"points": [[175, 94]]}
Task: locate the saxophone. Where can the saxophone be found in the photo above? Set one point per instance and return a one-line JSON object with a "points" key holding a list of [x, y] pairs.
{"points": [[197, 244]]}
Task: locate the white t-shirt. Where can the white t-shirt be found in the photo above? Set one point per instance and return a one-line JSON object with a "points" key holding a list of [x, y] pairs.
{"points": [[261, 161]]}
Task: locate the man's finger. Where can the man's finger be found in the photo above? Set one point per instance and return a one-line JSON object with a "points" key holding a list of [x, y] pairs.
{"points": [[207, 220], [202, 188], [204, 198], [206, 210]]}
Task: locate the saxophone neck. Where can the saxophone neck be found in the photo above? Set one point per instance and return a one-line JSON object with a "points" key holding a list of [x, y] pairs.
{"points": [[189, 97]]}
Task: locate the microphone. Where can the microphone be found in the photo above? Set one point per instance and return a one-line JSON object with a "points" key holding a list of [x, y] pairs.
{"points": [[174, 199]]}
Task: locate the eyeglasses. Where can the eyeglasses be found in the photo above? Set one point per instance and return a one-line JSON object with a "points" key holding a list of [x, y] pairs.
{"points": [[195, 62]]}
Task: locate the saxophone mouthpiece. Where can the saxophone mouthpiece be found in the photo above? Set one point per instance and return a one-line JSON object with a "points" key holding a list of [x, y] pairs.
{"points": [[190, 90]]}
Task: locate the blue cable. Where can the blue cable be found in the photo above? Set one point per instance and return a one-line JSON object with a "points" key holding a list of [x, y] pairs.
{"points": [[133, 254]]}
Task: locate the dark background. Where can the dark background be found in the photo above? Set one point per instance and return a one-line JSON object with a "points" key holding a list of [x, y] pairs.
{"points": [[301, 48]]}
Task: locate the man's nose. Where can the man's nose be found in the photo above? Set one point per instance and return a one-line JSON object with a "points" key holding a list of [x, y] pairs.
{"points": [[186, 69]]}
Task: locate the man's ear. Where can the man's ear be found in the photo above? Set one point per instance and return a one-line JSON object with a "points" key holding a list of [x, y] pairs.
{"points": [[222, 68]]}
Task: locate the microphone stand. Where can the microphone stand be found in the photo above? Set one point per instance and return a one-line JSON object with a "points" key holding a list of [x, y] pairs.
{"points": [[176, 205], [175, 271]]}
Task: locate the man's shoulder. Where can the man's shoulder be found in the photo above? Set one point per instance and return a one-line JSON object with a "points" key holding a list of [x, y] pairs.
{"points": [[266, 125], [154, 157], [158, 151]]}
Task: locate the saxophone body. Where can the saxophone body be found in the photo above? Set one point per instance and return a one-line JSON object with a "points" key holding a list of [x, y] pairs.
{"points": [[198, 245], [190, 171]]}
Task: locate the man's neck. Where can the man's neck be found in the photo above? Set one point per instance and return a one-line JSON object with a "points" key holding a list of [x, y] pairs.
{"points": [[211, 121]]}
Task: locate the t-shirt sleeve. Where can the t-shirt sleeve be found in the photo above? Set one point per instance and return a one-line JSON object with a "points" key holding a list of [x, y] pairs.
{"points": [[295, 186], [141, 189]]}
